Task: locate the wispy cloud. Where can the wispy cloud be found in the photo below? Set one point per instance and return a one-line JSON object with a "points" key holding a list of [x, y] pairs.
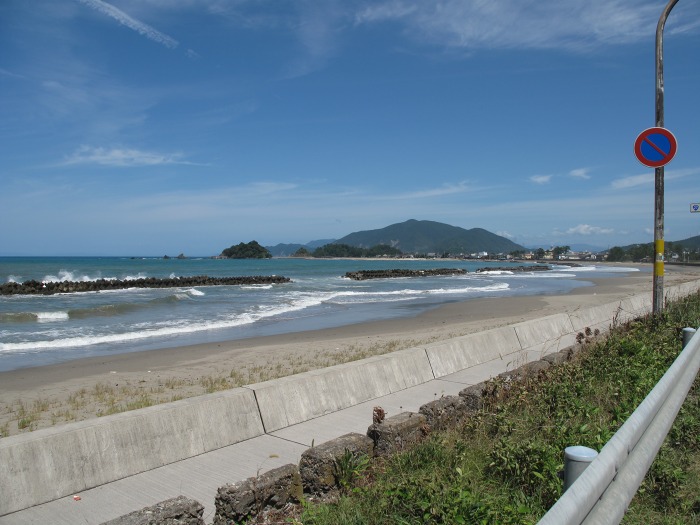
{"points": [[633, 180], [445, 189], [543, 24], [541, 179], [587, 229], [317, 32], [126, 20], [648, 178], [125, 158], [6, 73], [580, 173]]}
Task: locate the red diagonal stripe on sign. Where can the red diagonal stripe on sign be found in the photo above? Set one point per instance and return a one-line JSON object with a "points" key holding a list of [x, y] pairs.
{"points": [[662, 152]]}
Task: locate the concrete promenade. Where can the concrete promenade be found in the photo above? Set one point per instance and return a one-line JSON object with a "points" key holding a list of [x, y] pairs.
{"points": [[121, 463]]}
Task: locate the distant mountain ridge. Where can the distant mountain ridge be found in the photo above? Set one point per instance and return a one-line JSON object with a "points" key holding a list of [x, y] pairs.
{"points": [[692, 243], [414, 236], [287, 250]]}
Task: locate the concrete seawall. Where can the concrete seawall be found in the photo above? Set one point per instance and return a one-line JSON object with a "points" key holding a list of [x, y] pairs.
{"points": [[48, 464], [298, 398]]}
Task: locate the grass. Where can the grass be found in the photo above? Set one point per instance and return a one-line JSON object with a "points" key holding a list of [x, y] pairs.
{"points": [[501, 467]]}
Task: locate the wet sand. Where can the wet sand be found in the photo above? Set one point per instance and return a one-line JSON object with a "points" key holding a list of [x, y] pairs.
{"points": [[44, 396]]}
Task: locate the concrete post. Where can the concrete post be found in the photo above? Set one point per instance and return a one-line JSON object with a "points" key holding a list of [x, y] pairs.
{"points": [[576, 459], [688, 334]]}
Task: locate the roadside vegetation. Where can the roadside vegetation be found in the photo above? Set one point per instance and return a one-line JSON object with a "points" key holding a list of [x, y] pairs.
{"points": [[501, 467]]}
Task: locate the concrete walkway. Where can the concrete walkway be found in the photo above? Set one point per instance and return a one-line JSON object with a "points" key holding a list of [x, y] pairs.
{"points": [[199, 477]]}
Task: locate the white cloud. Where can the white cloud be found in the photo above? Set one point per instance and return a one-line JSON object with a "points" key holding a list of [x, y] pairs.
{"points": [[633, 180], [7, 73], [541, 179], [317, 31], [126, 20], [506, 235], [391, 10], [648, 178], [587, 229], [260, 188], [580, 173], [445, 189], [121, 157], [542, 24]]}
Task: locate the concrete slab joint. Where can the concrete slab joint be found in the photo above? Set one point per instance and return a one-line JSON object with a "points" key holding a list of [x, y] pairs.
{"points": [[295, 399]]}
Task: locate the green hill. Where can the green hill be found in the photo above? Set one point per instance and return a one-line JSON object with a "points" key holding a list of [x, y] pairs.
{"points": [[287, 250], [415, 236], [691, 243]]}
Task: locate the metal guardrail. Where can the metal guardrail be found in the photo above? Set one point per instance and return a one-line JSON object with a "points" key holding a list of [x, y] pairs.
{"points": [[604, 490]]}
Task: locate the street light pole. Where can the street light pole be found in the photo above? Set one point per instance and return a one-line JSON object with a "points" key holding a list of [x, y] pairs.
{"points": [[658, 293]]}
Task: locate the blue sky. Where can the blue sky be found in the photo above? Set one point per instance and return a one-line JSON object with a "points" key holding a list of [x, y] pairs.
{"points": [[151, 127]]}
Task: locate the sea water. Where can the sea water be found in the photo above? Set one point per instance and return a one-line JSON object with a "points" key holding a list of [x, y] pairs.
{"points": [[38, 330]]}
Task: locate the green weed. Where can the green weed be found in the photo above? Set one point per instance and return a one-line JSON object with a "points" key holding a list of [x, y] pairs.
{"points": [[502, 465]]}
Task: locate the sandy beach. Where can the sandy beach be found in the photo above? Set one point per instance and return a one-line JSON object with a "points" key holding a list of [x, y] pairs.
{"points": [[40, 397]]}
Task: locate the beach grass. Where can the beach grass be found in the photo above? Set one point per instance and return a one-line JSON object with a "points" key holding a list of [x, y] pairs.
{"points": [[105, 398]]}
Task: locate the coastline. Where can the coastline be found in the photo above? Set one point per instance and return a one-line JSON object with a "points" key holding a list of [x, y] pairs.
{"points": [[45, 396]]}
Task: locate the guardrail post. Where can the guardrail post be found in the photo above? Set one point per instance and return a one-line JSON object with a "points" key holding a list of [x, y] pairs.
{"points": [[576, 459], [688, 334]]}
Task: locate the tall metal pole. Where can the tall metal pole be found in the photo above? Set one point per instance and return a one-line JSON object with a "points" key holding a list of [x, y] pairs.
{"points": [[658, 294]]}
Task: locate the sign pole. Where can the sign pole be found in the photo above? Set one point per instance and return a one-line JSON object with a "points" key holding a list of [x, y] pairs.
{"points": [[658, 293]]}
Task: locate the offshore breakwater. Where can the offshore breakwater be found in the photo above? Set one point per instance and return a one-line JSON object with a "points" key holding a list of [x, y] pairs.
{"points": [[363, 275], [33, 287]]}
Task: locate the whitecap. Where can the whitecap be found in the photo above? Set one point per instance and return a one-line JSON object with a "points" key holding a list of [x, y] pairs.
{"points": [[49, 317]]}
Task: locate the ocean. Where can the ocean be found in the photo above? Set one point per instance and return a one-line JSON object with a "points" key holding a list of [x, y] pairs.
{"points": [[40, 330]]}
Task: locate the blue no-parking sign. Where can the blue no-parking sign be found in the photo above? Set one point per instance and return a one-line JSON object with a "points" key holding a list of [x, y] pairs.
{"points": [[655, 147]]}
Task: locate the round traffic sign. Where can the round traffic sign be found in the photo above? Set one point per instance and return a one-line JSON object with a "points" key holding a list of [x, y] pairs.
{"points": [[655, 147]]}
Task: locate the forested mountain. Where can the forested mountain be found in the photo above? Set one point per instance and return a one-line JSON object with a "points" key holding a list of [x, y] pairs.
{"points": [[415, 236], [691, 243], [287, 250]]}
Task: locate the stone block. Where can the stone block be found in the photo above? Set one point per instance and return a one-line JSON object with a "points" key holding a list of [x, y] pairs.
{"points": [[531, 369], [175, 511], [397, 432], [319, 465], [557, 358], [240, 501], [446, 412], [474, 396]]}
